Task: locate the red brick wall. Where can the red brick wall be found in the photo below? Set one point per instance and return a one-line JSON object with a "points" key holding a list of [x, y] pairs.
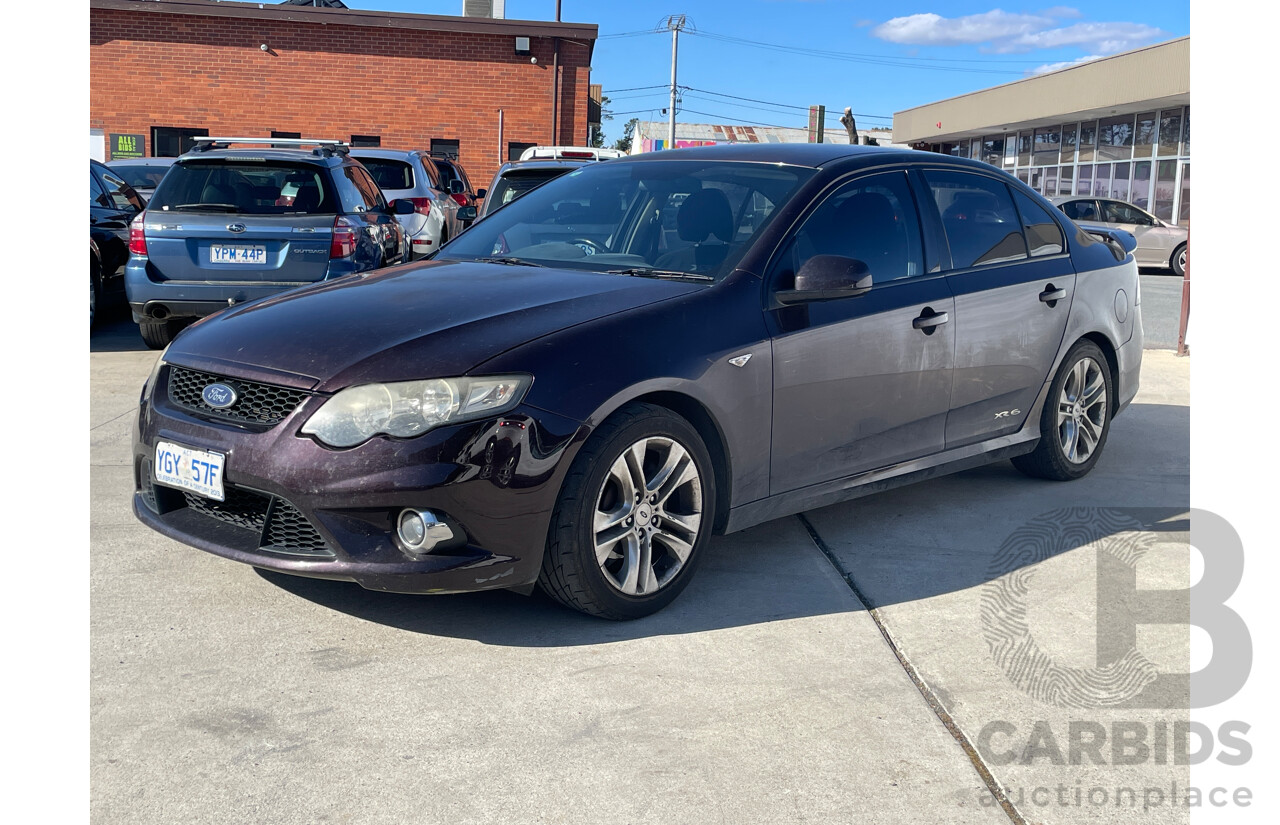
{"points": [[407, 86]]}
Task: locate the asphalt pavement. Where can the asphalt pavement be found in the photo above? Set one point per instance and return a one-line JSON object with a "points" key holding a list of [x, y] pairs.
{"points": [[845, 665]]}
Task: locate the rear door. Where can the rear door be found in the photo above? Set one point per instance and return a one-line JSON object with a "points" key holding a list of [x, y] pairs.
{"points": [[861, 382], [242, 221], [1011, 298]]}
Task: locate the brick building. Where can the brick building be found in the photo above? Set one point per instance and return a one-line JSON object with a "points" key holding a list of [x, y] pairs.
{"points": [[162, 71]]}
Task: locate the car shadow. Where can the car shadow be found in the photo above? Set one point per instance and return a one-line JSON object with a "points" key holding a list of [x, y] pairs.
{"points": [[115, 331], [940, 536]]}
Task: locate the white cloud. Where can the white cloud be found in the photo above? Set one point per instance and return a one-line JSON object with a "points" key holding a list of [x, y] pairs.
{"points": [[1004, 32], [1065, 64]]}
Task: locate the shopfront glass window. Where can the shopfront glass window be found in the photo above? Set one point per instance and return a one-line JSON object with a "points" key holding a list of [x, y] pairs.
{"points": [[1166, 180], [993, 149], [1010, 150], [1144, 140], [1120, 182], [1084, 181], [1068, 144], [1088, 140], [1170, 131], [1048, 145], [1115, 138], [1050, 181], [1140, 189], [1102, 180], [1186, 131], [1064, 179], [1184, 202], [1024, 148]]}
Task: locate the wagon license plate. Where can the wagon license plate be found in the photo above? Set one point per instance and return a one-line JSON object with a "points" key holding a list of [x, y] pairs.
{"points": [[237, 254], [194, 470]]}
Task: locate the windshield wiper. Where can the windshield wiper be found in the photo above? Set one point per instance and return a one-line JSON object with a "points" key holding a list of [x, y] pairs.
{"points": [[216, 207], [667, 274], [509, 261]]}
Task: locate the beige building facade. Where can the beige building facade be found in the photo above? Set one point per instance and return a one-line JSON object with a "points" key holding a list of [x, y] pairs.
{"points": [[1115, 127]]}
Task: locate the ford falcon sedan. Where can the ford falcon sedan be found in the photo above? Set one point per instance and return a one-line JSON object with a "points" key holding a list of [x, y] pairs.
{"points": [[579, 390]]}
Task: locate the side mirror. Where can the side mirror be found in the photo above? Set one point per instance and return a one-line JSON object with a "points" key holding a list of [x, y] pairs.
{"points": [[456, 187], [480, 193], [467, 213], [827, 278], [400, 206]]}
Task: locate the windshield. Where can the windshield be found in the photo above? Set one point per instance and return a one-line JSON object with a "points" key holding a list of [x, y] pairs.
{"points": [[690, 217], [140, 176], [251, 188]]}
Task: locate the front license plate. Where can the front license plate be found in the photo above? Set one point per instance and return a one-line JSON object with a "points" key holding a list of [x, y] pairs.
{"points": [[237, 254], [194, 470]]}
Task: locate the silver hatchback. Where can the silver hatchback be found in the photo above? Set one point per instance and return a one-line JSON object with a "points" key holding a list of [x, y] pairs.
{"points": [[404, 174]]}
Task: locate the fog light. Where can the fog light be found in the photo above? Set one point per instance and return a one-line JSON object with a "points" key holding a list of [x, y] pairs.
{"points": [[420, 531]]}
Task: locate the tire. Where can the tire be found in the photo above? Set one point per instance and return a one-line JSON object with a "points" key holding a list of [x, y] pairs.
{"points": [[1178, 260], [159, 334], [642, 567], [95, 295], [1073, 428]]}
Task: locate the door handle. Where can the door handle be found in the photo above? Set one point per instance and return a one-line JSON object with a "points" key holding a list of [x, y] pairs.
{"points": [[928, 320], [1051, 295]]}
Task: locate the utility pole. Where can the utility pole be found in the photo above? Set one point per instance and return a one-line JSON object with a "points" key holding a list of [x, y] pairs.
{"points": [[675, 23]]}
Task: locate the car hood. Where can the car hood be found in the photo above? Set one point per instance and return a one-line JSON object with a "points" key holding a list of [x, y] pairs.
{"points": [[433, 319]]}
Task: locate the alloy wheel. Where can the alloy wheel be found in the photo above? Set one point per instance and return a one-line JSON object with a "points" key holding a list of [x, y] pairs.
{"points": [[1082, 411], [647, 516]]}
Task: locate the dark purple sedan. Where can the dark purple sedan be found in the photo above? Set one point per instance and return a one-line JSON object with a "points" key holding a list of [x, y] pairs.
{"points": [[580, 389]]}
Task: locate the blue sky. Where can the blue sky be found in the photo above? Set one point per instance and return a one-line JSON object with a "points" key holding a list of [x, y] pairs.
{"points": [[877, 58]]}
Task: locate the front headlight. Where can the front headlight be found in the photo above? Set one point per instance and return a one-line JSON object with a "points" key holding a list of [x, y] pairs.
{"points": [[410, 408]]}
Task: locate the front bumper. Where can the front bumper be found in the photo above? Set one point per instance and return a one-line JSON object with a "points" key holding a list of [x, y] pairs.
{"points": [[299, 507]]}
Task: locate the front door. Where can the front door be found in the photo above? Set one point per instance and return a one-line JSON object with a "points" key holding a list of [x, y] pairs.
{"points": [[860, 382]]}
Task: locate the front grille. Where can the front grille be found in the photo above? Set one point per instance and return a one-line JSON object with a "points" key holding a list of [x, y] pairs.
{"points": [[262, 404], [281, 528]]}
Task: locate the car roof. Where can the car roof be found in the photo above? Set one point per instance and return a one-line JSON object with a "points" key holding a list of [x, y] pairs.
{"points": [[142, 161], [390, 154], [518, 165], [794, 154], [292, 155]]}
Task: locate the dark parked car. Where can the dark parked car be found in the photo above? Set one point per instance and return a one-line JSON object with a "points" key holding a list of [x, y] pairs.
{"points": [[112, 205], [226, 226], [812, 324], [143, 174]]}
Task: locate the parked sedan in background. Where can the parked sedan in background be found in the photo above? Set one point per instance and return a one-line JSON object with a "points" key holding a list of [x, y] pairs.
{"points": [[143, 174], [113, 203], [1159, 243], [820, 322], [229, 225], [412, 176]]}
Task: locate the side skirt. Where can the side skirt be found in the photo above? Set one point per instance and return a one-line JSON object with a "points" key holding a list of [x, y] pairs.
{"points": [[885, 478]]}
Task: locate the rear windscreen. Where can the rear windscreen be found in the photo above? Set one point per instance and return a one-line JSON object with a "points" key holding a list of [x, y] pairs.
{"points": [[514, 185], [389, 174], [245, 187], [140, 176]]}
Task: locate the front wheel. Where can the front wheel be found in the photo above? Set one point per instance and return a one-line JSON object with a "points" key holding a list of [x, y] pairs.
{"points": [[1076, 417], [631, 520], [1178, 261]]}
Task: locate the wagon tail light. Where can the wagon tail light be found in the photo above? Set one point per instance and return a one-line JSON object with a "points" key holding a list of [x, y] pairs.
{"points": [[138, 236], [460, 198], [343, 244], [422, 205]]}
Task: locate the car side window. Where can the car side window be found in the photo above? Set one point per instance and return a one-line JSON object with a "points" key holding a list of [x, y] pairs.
{"points": [[1044, 236], [1080, 211], [979, 218], [872, 219], [1118, 212], [120, 193], [352, 195], [96, 193], [433, 174]]}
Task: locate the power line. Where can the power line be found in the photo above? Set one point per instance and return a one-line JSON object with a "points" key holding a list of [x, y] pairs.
{"points": [[628, 34], [638, 88], [783, 105]]}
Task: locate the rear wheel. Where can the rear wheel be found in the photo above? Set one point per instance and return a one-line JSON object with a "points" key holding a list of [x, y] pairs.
{"points": [[1178, 261], [1076, 417], [635, 511], [159, 334]]}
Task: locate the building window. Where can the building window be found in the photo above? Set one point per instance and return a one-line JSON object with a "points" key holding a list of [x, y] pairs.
{"points": [[1120, 182], [1166, 183], [1102, 180], [366, 140], [1088, 139], [445, 148], [1186, 132], [1024, 148], [1048, 145], [515, 150], [1115, 138], [1145, 139], [1170, 131], [1184, 203], [1065, 174], [1010, 150], [1084, 181], [287, 135], [1068, 144], [1050, 181], [169, 142], [993, 149], [1140, 191]]}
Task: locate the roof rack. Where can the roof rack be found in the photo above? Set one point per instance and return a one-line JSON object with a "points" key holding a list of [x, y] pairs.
{"points": [[324, 147]]}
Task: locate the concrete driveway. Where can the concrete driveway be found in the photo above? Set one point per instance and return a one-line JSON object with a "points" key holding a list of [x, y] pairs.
{"points": [[768, 692]]}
